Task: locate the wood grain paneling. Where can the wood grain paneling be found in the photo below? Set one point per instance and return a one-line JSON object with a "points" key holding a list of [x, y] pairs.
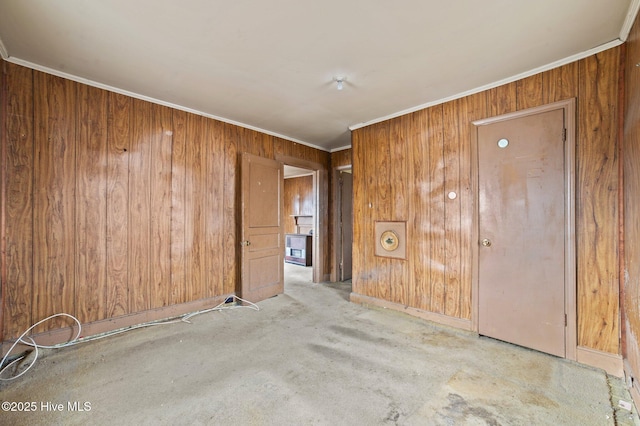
{"points": [[597, 206], [91, 203], [298, 200], [382, 205], [178, 208], [139, 232], [197, 131], [114, 206], [473, 109], [231, 199], [214, 210], [160, 140], [435, 197], [54, 198], [529, 92], [117, 244], [418, 215], [502, 99], [439, 162], [452, 230], [17, 137], [341, 158], [398, 202], [631, 150], [359, 205]]}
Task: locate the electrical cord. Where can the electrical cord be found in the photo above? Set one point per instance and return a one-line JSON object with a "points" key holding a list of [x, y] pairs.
{"points": [[225, 305]]}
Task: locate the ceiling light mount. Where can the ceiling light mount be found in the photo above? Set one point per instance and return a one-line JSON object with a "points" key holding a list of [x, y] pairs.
{"points": [[340, 82]]}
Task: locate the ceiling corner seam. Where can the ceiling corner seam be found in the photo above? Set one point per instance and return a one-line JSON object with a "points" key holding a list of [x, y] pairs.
{"points": [[634, 7]]}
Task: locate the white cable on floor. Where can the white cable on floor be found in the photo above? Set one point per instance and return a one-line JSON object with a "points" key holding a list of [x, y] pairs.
{"points": [[77, 340], [33, 343]]}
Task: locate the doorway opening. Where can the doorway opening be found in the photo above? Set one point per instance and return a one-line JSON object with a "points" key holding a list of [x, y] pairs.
{"points": [[343, 223], [299, 218]]}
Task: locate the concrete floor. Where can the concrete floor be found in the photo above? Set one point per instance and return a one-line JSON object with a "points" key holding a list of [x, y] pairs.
{"points": [[310, 357]]}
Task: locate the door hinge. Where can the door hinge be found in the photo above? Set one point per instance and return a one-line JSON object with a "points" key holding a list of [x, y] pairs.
{"points": [[564, 135], [565, 320]]}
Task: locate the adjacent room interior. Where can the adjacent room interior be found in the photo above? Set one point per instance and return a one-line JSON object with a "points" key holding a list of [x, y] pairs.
{"points": [[461, 171]]}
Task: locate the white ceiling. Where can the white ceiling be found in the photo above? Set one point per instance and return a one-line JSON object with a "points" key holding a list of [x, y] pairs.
{"points": [[270, 65]]}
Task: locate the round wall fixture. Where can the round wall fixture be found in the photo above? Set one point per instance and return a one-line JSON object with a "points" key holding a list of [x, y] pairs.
{"points": [[503, 143], [389, 240]]}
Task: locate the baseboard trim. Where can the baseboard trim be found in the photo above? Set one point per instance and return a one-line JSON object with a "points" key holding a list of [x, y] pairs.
{"points": [[429, 316], [65, 334], [611, 363]]}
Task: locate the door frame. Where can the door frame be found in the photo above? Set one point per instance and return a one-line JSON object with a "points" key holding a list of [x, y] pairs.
{"points": [[321, 201], [336, 202], [570, 301]]}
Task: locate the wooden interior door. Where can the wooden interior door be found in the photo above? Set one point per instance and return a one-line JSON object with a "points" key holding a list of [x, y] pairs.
{"points": [[346, 224], [522, 230], [262, 239]]}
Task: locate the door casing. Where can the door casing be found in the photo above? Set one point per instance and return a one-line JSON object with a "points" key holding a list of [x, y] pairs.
{"points": [[321, 202], [345, 224], [569, 181]]}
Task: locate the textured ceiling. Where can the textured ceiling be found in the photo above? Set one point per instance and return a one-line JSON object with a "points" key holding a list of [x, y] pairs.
{"points": [[270, 65]]}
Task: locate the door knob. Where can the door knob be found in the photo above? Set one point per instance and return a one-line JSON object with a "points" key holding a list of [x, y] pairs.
{"points": [[486, 242]]}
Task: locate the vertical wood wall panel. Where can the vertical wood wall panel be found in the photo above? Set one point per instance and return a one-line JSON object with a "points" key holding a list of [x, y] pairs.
{"points": [[452, 238], [382, 205], [473, 109], [440, 278], [298, 200], [194, 232], [502, 99], [231, 199], [437, 261], [91, 203], [341, 158], [19, 175], [139, 231], [529, 92], [560, 83], [214, 213], [418, 217], [359, 200], [161, 140], [117, 244], [178, 209], [399, 271], [54, 198], [631, 155], [597, 207]]}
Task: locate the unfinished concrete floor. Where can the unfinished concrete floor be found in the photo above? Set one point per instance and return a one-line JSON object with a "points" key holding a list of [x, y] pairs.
{"points": [[309, 357]]}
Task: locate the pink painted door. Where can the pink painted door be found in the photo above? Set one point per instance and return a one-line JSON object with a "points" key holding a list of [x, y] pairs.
{"points": [[522, 221], [262, 239]]}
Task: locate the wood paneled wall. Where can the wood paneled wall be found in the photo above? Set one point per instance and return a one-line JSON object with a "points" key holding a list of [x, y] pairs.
{"points": [[631, 155], [112, 205], [298, 200], [403, 168], [341, 158]]}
